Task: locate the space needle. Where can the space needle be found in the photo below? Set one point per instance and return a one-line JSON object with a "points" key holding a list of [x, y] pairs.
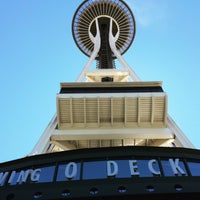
{"points": [[104, 30], [111, 136]]}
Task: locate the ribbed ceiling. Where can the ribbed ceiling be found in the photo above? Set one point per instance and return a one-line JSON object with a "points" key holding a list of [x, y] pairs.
{"points": [[140, 112], [104, 10]]}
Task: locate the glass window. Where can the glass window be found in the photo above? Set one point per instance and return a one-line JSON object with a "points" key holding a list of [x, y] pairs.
{"points": [[94, 170], [194, 168], [123, 169], [46, 174], [147, 168]]}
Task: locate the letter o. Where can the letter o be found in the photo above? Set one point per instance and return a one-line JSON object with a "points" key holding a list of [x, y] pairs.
{"points": [[71, 170]]}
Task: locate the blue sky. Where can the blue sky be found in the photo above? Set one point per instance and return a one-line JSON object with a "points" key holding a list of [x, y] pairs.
{"points": [[37, 52]]}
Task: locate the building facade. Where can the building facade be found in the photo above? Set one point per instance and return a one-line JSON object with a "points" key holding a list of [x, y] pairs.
{"points": [[111, 136]]}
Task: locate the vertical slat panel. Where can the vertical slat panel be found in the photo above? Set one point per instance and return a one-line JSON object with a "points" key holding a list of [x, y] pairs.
{"points": [[152, 109], [71, 112], [92, 110]]}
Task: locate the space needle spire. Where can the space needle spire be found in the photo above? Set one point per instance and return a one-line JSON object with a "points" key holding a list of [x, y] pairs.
{"points": [[106, 106], [104, 30]]}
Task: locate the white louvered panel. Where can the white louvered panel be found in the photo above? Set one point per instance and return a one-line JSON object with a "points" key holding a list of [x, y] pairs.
{"points": [[83, 144], [159, 109], [139, 142], [145, 109], [117, 143], [118, 110], [129, 142], [64, 110], [106, 143], [78, 110], [72, 144], [91, 110], [105, 110], [131, 109], [115, 111], [94, 143]]}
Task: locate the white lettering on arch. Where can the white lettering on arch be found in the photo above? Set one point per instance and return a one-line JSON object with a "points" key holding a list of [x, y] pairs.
{"points": [[152, 169], [71, 170], [134, 168], [112, 168], [176, 167], [3, 176]]}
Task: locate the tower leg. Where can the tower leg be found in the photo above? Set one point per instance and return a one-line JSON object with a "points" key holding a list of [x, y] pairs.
{"points": [[112, 41], [97, 44]]}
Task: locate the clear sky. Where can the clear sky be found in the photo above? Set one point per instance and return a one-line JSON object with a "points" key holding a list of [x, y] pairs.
{"points": [[37, 52]]}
